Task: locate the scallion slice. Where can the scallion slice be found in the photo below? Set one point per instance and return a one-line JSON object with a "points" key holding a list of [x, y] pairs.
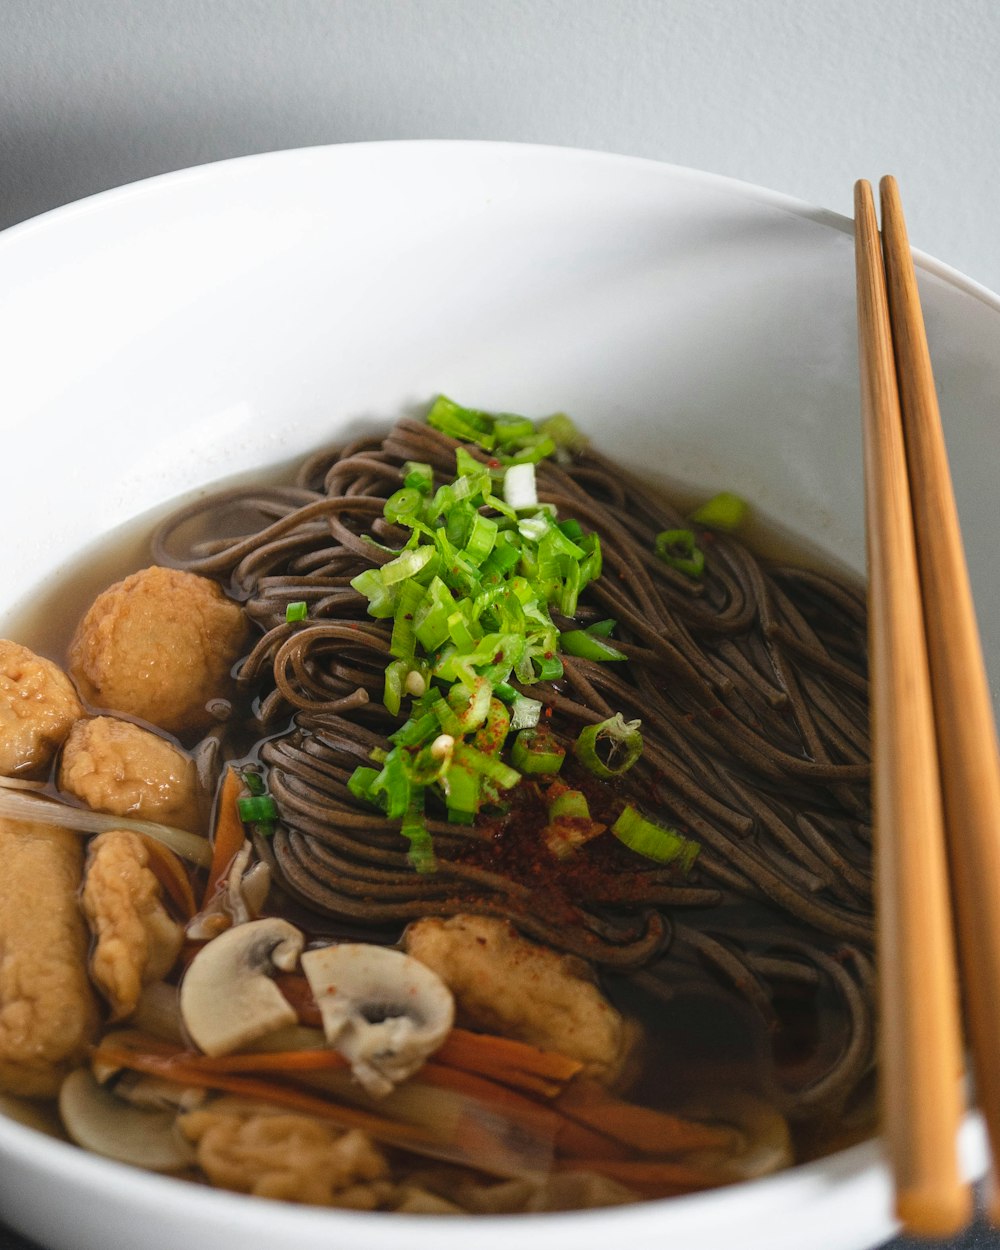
{"points": [[519, 489], [656, 842], [679, 549], [610, 747], [537, 751], [524, 712], [418, 476], [257, 808], [724, 511], [587, 646]]}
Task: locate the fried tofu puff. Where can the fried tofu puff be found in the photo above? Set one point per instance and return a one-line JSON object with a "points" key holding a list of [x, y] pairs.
{"points": [[505, 984], [136, 941], [117, 767], [38, 707], [160, 646], [48, 1011]]}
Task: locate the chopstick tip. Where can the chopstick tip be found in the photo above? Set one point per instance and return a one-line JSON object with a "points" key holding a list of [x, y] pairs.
{"points": [[939, 1210]]}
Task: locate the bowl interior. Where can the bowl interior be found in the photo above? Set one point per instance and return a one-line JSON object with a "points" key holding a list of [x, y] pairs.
{"points": [[200, 325]]}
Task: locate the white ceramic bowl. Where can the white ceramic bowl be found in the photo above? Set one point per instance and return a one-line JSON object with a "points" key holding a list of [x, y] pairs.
{"points": [[194, 326]]}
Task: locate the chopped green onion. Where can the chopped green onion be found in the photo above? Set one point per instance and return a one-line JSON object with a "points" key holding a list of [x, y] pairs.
{"points": [[461, 785], [569, 803], [610, 747], [408, 564], [481, 538], [393, 784], [407, 502], [533, 528], [418, 476], [360, 783], [486, 766], [679, 549], [548, 667], [471, 705], [492, 733], [259, 807], [519, 489], [563, 432], [381, 598], [253, 781], [724, 511], [533, 449], [511, 430], [296, 611], [602, 629], [569, 825], [414, 829], [537, 751], [401, 678], [582, 643], [656, 842], [466, 424], [471, 597], [524, 712]]}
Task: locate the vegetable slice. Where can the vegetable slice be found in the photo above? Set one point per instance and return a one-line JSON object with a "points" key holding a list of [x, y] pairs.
{"points": [[724, 511], [610, 747], [656, 842]]}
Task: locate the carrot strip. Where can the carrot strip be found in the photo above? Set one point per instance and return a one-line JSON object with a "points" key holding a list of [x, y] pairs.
{"points": [[463, 1046], [507, 1145], [228, 836], [643, 1129], [291, 1061], [172, 875], [570, 1138], [526, 1067], [177, 1070]]}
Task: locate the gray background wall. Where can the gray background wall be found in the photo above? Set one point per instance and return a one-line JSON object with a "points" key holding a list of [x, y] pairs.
{"points": [[800, 95]]}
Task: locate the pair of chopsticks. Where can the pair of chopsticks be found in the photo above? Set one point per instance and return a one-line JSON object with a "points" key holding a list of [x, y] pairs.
{"points": [[935, 762]]}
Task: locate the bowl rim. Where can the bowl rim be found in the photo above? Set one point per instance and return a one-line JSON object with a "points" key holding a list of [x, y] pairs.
{"points": [[859, 1171], [57, 217]]}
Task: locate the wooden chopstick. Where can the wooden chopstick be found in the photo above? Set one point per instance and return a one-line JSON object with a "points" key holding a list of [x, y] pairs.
{"points": [[966, 733], [920, 1052]]}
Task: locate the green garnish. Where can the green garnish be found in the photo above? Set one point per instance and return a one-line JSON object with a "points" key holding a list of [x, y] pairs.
{"points": [[471, 596], [253, 781], [724, 511], [297, 611], [536, 751], [610, 747], [588, 646], [656, 842], [513, 439], [570, 804], [679, 549], [569, 822], [418, 476], [257, 809]]}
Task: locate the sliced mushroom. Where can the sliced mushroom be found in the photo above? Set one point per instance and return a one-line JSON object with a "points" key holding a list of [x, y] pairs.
{"points": [[382, 1009], [101, 1121], [227, 996]]}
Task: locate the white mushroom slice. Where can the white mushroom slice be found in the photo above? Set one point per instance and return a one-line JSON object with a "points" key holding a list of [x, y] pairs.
{"points": [[382, 1009], [100, 1121], [227, 996]]}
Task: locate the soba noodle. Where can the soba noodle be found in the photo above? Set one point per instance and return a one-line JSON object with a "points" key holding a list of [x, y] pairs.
{"points": [[750, 683]]}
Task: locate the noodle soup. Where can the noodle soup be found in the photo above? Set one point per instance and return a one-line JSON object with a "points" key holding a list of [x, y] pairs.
{"points": [[497, 710]]}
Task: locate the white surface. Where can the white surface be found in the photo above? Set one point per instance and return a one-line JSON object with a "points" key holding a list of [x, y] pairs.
{"points": [[801, 95], [223, 318]]}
